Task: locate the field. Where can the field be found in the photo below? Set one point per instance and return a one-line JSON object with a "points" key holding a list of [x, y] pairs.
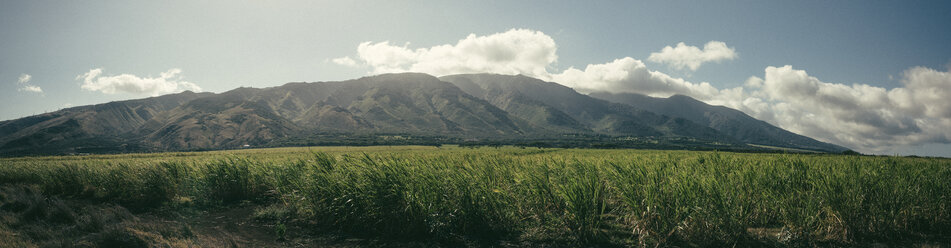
{"points": [[451, 196]]}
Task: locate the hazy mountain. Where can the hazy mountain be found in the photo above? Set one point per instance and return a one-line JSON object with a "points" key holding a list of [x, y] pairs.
{"points": [[726, 120], [557, 107], [408, 103], [393, 103], [482, 107], [94, 127]]}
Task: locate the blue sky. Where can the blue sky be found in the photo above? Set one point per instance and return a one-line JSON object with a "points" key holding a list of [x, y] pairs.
{"points": [[220, 45]]}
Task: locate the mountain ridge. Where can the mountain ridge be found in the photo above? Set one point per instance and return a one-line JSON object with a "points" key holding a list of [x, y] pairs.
{"points": [[454, 109], [599, 115], [727, 120]]}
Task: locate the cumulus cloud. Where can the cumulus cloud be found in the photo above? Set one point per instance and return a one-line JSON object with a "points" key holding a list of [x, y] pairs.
{"points": [[867, 118], [24, 78], [345, 61], [683, 56], [23, 83], [532, 53], [167, 82], [631, 76], [520, 51], [516, 51], [31, 88]]}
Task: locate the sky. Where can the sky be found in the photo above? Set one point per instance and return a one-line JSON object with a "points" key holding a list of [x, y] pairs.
{"points": [[869, 75]]}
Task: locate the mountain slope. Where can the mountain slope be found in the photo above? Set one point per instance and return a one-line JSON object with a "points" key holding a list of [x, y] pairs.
{"points": [[408, 103], [480, 107], [557, 107], [419, 103], [726, 120], [88, 128], [394, 103]]}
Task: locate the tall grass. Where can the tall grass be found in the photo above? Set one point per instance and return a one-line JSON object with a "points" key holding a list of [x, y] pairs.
{"points": [[619, 197]]}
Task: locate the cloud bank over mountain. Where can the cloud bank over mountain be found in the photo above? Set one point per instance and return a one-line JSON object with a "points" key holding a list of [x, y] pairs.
{"points": [[864, 116], [517, 51], [859, 116], [167, 82]]}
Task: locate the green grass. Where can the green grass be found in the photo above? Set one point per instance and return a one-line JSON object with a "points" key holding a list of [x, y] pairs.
{"points": [[529, 196]]}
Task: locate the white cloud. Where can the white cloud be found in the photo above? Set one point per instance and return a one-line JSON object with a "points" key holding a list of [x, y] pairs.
{"points": [[683, 56], [168, 82], [24, 78], [24, 84], [31, 88], [345, 61], [517, 51], [859, 116], [631, 76], [863, 117], [528, 52]]}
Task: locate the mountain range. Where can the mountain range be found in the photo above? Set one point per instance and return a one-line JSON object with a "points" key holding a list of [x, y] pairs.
{"points": [[395, 108], [728, 121]]}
